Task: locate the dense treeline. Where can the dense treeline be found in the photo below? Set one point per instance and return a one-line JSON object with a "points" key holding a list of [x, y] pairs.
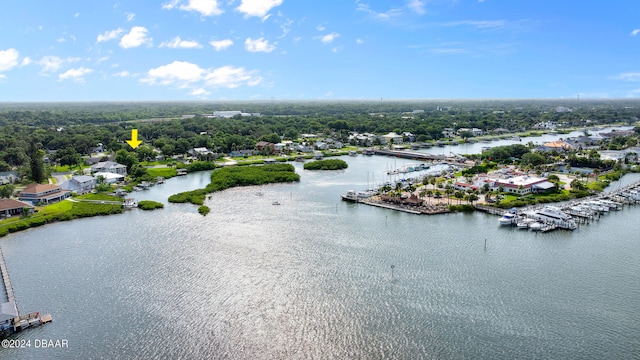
{"points": [[330, 164], [228, 177], [63, 133]]}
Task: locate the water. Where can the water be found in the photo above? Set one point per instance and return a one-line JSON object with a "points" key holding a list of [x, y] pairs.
{"points": [[476, 148], [312, 279]]}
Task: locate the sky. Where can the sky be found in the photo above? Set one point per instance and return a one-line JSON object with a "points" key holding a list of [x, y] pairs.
{"points": [[175, 50]]}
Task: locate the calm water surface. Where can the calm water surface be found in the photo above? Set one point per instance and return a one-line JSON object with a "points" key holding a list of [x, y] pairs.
{"points": [[312, 279]]}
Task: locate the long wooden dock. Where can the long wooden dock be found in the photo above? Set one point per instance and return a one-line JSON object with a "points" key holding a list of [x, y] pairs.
{"points": [[6, 281], [19, 322]]}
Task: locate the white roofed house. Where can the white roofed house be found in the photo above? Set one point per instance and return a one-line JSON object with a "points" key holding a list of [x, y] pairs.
{"points": [[109, 167], [392, 137], [80, 184], [523, 184], [109, 178]]}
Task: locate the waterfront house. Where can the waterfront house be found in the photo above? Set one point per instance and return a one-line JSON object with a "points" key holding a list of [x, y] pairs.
{"points": [[43, 194], [109, 167], [200, 152], [79, 184], [392, 137], [267, 147], [241, 153], [11, 207], [109, 178]]}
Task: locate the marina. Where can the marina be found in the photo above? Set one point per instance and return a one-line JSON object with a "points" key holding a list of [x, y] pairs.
{"points": [[314, 277]]}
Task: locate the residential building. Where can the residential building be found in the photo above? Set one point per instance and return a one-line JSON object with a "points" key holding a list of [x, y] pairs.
{"points": [[11, 207], [392, 137], [79, 184], [265, 146], [43, 194], [109, 178], [109, 167], [9, 177]]}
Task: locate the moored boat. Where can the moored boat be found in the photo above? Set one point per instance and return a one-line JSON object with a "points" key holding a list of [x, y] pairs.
{"points": [[508, 218], [350, 196], [553, 215]]}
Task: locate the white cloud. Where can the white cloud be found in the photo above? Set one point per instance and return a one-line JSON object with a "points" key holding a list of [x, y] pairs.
{"points": [[359, 41], [130, 16], [320, 28], [176, 72], [635, 32], [26, 61], [122, 74], [199, 92], [179, 43], [75, 74], [232, 77], [327, 39], [76, 15], [185, 75], [136, 37], [221, 44], [258, 45], [286, 28], [109, 35], [628, 76], [417, 6], [380, 16], [258, 8], [8, 59], [480, 24], [53, 63], [204, 7], [448, 51]]}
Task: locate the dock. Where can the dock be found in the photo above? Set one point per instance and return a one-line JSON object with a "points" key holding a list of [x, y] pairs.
{"points": [[11, 321], [7, 282]]}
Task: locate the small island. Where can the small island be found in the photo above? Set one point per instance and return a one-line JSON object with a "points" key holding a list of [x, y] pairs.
{"points": [[229, 177], [330, 164], [149, 205]]}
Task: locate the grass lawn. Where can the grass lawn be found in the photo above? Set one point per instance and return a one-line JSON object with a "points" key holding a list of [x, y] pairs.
{"points": [[164, 172]]}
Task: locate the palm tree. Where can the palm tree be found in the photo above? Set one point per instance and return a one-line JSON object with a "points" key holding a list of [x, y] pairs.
{"points": [[422, 193], [448, 190]]}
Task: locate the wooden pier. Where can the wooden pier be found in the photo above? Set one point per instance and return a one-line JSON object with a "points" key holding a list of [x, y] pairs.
{"points": [[6, 281], [12, 321]]}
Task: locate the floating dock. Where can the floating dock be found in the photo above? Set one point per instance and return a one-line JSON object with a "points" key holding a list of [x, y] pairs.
{"points": [[11, 321]]}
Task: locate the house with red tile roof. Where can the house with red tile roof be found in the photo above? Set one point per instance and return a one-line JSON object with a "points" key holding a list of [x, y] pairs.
{"points": [[11, 207], [43, 194]]}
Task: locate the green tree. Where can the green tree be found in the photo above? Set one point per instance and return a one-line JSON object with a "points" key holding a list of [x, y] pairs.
{"points": [[36, 164], [126, 158], [6, 191]]}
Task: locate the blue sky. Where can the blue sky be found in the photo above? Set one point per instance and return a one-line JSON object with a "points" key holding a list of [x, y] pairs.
{"points": [[307, 50]]}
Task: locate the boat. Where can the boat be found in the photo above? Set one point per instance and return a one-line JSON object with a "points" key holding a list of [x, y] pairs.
{"points": [[275, 203], [553, 215], [353, 153], [508, 218], [525, 223], [535, 226], [350, 196], [365, 194]]}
